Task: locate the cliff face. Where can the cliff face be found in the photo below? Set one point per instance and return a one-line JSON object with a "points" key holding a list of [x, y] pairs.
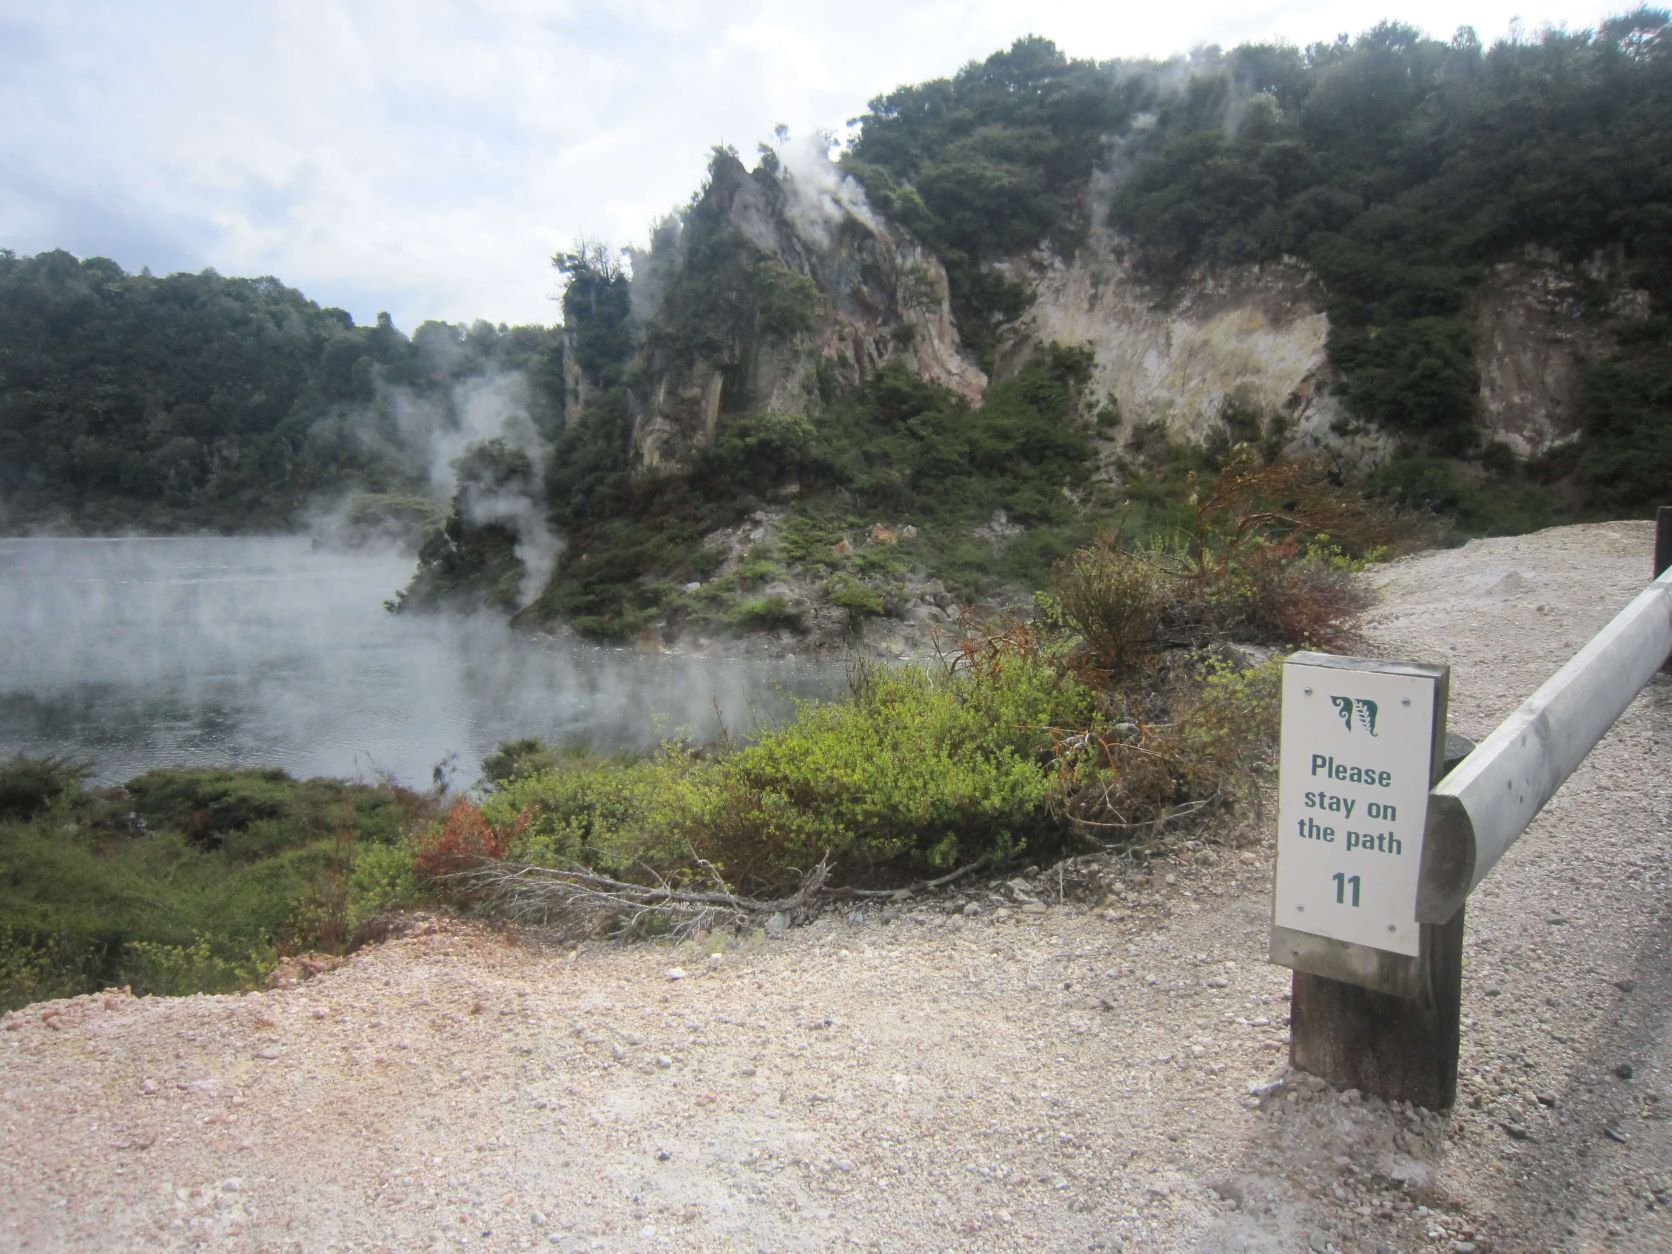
{"points": [[1537, 323], [1255, 336], [880, 296], [1248, 337]]}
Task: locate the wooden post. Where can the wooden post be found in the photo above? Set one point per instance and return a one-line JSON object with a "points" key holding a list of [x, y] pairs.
{"points": [[1396, 1048], [1392, 1047]]}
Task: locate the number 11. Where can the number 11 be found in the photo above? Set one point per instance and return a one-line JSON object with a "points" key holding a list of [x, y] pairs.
{"points": [[1341, 881]]}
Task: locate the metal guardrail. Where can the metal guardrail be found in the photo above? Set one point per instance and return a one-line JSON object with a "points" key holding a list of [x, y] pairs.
{"points": [[1477, 811]]}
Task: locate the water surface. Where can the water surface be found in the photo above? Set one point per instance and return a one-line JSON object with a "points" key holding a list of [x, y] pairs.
{"points": [[262, 651]]}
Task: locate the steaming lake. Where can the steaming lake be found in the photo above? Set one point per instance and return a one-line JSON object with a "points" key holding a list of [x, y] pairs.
{"points": [[210, 651]]}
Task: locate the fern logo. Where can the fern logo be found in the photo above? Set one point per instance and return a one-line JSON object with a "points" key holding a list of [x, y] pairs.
{"points": [[1348, 707]]}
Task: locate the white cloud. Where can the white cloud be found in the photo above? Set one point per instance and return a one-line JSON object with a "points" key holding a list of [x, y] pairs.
{"points": [[428, 156]]}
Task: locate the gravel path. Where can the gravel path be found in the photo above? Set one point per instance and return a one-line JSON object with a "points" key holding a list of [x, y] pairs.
{"points": [[1091, 1057]]}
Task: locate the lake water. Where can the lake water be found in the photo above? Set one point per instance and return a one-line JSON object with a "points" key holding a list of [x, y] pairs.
{"points": [[209, 651]]}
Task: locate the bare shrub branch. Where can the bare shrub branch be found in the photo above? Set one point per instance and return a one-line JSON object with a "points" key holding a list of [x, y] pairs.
{"points": [[574, 896]]}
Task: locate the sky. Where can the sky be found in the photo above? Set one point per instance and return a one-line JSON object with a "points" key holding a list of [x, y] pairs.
{"points": [[427, 158]]}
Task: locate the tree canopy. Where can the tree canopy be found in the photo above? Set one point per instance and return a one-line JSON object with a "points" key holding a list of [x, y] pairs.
{"points": [[1399, 167], [201, 401]]}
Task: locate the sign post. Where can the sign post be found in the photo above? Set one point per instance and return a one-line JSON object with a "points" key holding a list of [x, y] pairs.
{"points": [[1376, 993]]}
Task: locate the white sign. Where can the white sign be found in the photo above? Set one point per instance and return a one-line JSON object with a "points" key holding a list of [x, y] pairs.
{"points": [[1352, 800]]}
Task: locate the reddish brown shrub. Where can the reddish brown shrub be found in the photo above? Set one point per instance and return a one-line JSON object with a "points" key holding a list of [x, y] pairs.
{"points": [[464, 838]]}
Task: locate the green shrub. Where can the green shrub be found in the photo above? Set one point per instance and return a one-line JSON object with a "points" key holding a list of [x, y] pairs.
{"points": [[209, 806], [206, 804], [1224, 727], [523, 756], [155, 969], [1198, 740], [859, 600], [756, 451], [918, 770], [1506, 505], [1623, 408], [381, 880], [1246, 586], [43, 968], [29, 785], [758, 569], [262, 838], [208, 873], [609, 813], [767, 613], [1287, 594]]}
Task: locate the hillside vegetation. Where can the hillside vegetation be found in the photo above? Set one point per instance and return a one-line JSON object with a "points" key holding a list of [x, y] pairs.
{"points": [[197, 402], [826, 371], [1121, 710], [1398, 167], [186, 881], [805, 416]]}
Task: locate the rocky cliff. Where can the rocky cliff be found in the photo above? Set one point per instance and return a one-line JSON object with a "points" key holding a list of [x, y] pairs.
{"points": [[774, 238], [1250, 338], [1254, 337], [1537, 323]]}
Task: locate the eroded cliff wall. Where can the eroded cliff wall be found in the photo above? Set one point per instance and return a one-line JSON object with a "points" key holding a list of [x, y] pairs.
{"points": [[882, 296], [1256, 337], [1537, 324], [1252, 338]]}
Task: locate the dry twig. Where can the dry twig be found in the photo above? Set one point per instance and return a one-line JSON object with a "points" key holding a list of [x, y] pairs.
{"points": [[576, 895]]}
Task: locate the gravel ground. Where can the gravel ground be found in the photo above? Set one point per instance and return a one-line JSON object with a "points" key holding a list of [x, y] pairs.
{"points": [[1089, 1057]]}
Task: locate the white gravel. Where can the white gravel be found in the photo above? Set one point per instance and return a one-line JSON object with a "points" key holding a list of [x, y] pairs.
{"points": [[1031, 1074]]}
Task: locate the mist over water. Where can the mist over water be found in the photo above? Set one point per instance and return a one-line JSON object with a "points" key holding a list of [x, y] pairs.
{"points": [[210, 651]]}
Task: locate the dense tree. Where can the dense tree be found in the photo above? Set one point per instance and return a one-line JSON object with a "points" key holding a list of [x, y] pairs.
{"points": [[597, 310], [202, 401], [989, 163], [1400, 167]]}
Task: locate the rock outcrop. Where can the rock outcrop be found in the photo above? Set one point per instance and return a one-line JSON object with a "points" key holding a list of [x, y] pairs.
{"points": [[1536, 326], [882, 296], [1255, 337], [1250, 338]]}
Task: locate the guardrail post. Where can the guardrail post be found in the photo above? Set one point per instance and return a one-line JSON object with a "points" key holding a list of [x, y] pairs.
{"points": [[1393, 1047]]}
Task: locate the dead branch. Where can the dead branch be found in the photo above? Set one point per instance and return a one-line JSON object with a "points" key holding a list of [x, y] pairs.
{"points": [[574, 895], [1182, 810], [909, 889]]}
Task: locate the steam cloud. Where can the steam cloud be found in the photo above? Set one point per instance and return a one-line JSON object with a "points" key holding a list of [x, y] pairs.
{"points": [[265, 651], [537, 547], [653, 268], [478, 409], [820, 194], [1161, 83], [427, 433], [819, 197]]}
